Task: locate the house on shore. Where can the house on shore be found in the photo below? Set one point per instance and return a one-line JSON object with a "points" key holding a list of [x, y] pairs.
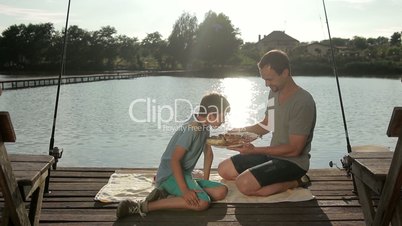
{"points": [[314, 49], [322, 50], [318, 49], [277, 40]]}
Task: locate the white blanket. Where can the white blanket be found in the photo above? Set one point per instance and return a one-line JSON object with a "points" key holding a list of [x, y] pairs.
{"points": [[136, 186]]}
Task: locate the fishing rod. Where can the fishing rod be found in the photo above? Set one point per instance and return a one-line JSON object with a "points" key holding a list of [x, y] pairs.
{"points": [[54, 151], [346, 161]]}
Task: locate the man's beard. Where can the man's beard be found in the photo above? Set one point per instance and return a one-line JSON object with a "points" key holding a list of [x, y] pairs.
{"points": [[274, 89]]}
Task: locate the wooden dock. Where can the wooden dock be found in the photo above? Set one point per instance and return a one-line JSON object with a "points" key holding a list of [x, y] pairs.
{"points": [[20, 83], [70, 202]]}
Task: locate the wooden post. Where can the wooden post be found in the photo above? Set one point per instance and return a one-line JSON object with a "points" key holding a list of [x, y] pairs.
{"points": [[390, 195], [11, 193]]}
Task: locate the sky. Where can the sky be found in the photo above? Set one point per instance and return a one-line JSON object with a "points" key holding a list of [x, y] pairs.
{"points": [[304, 20]]}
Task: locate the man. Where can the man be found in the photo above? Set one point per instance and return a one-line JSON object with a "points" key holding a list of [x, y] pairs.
{"points": [[290, 116]]}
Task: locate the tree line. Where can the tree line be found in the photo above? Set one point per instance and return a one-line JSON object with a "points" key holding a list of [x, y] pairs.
{"points": [[379, 56], [34, 47], [213, 44]]}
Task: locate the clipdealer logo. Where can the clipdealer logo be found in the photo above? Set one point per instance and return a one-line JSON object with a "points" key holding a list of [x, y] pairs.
{"points": [[154, 112], [147, 110]]}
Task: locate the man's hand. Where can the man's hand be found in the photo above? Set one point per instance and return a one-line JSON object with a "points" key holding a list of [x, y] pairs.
{"points": [[190, 196], [245, 149]]}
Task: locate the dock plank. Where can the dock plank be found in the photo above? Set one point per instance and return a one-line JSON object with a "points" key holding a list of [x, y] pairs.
{"points": [[70, 202]]}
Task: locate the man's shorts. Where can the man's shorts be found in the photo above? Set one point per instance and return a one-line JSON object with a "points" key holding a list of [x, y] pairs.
{"points": [[266, 169], [170, 185]]}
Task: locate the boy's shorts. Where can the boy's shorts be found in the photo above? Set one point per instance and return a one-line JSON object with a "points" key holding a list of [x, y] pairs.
{"points": [[266, 169], [170, 185]]}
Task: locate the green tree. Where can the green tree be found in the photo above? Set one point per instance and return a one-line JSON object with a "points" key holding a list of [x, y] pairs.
{"points": [[378, 47], [359, 43], [216, 40], [104, 47], [12, 41], [27, 46], [78, 55], [128, 49], [251, 51], [394, 53], [181, 40], [155, 47], [336, 42], [382, 40], [377, 41], [38, 39], [371, 41], [396, 39]]}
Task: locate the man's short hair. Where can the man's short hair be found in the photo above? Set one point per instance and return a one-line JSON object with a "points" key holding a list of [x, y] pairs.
{"points": [[277, 59], [214, 103]]}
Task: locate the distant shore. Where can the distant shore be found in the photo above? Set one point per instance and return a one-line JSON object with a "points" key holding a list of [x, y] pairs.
{"points": [[206, 73]]}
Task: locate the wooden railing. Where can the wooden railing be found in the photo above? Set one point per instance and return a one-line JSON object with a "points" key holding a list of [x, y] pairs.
{"points": [[20, 83]]}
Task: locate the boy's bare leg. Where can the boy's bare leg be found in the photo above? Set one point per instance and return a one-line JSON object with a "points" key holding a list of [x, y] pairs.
{"points": [[175, 203], [217, 193]]}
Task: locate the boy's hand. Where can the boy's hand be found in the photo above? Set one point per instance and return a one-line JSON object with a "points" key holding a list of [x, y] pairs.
{"points": [[190, 196]]}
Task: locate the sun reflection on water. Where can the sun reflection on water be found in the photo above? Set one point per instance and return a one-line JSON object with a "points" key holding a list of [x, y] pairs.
{"points": [[241, 94]]}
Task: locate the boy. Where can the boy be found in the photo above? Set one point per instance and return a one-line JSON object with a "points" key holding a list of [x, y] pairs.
{"points": [[178, 161]]}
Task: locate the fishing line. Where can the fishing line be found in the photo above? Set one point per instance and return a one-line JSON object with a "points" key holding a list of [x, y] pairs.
{"points": [[322, 27], [337, 81], [323, 32], [54, 151]]}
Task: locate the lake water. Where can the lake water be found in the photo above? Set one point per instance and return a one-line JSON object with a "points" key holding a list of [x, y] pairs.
{"points": [[128, 123]]}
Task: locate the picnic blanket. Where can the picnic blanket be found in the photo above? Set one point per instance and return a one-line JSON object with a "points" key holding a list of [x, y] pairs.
{"points": [[136, 186]]}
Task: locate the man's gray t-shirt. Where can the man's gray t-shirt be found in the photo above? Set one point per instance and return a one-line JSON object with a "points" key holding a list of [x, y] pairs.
{"points": [[297, 116], [192, 137]]}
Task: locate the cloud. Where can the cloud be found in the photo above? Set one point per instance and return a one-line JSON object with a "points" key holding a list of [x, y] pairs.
{"points": [[388, 30], [354, 1], [31, 15]]}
